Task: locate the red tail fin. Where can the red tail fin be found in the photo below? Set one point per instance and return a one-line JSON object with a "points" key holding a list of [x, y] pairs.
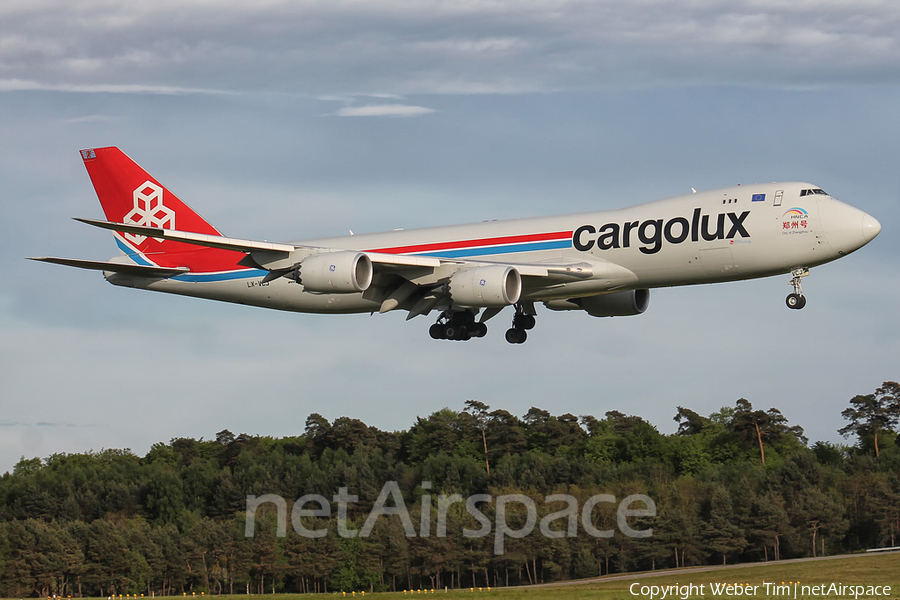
{"points": [[129, 194]]}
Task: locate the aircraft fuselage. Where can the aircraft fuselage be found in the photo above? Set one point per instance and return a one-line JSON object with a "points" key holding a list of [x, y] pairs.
{"points": [[729, 234]]}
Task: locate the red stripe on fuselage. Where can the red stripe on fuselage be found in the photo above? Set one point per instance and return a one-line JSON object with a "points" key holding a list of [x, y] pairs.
{"points": [[496, 241]]}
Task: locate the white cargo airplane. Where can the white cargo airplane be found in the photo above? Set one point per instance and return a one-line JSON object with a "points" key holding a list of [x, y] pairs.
{"points": [[603, 263]]}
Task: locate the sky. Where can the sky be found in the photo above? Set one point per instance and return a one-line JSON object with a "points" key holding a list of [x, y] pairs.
{"points": [[287, 120]]}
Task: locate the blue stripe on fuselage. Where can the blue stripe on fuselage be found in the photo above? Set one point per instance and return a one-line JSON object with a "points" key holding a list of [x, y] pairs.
{"points": [[139, 258], [467, 252], [224, 276]]}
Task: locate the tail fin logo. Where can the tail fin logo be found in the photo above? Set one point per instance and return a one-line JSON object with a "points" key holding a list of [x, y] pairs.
{"points": [[149, 211]]}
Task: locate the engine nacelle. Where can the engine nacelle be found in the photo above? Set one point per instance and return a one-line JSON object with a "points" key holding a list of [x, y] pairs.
{"points": [[496, 285], [342, 272], [616, 304]]}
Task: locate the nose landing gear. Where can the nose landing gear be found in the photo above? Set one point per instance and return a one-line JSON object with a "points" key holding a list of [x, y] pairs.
{"points": [[797, 300]]}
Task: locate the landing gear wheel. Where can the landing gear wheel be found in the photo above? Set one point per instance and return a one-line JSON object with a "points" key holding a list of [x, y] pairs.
{"points": [[795, 301], [515, 335], [523, 321], [457, 325]]}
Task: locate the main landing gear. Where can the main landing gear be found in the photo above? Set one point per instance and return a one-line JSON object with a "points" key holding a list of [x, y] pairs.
{"points": [[522, 321], [460, 325], [457, 325], [797, 300]]}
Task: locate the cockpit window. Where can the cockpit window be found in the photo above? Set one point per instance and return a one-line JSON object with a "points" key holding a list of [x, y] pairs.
{"points": [[815, 191]]}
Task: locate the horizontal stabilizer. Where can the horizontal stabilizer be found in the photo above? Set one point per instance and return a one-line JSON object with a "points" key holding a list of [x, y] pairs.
{"points": [[199, 239], [125, 268]]}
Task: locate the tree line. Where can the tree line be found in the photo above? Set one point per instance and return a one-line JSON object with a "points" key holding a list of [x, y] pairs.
{"points": [[741, 484]]}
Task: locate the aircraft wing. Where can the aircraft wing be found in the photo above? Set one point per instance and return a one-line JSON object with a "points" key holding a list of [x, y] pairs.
{"points": [[581, 270], [115, 267], [402, 275], [275, 250]]}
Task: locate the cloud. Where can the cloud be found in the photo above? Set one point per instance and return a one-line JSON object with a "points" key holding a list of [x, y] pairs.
{"points": [[478, 47], [383, 110], [22, 85]]}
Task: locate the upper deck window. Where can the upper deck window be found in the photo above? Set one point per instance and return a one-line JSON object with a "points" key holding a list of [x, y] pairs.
{"points": [[815, 191]]}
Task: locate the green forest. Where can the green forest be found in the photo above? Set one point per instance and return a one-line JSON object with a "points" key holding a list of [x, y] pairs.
{"points": [[740, 485]]}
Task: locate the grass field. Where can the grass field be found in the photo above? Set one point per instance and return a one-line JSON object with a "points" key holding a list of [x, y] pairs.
{"points": [[861, 570], [866, 570]]}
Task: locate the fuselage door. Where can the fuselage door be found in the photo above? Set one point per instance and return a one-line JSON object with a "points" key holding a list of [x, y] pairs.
{"points": [[717, 261], [778, 197]]}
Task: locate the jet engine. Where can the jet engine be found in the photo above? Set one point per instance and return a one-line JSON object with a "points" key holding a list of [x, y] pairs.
{"points": [[616, 304], [495, 285], [342, 272]]}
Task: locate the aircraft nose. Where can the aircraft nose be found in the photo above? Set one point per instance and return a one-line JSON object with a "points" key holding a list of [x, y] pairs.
{"points": [[871, 227], [847, 227]]}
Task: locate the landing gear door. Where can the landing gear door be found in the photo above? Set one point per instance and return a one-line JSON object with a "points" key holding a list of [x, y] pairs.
{"points": [[779, 195]]}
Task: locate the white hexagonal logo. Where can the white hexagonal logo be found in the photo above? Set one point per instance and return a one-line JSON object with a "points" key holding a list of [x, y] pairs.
{"points": [[149, 211]]}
